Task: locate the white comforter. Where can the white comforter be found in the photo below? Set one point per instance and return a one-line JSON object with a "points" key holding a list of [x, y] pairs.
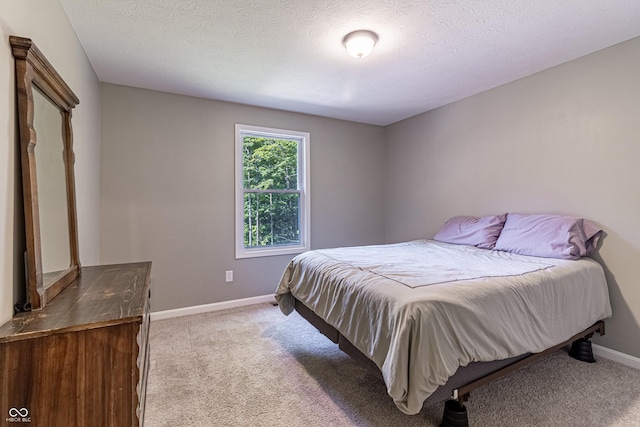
{"points": [[421, 309]]}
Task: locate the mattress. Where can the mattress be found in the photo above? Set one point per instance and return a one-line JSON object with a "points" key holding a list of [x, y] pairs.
{"points": [[421, 309]]}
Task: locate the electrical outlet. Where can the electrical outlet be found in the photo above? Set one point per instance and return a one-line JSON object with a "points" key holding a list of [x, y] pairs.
{"points": [[228, 275]]}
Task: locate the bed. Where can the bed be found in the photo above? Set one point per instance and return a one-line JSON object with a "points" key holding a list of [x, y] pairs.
{"points": [[435, 316]]}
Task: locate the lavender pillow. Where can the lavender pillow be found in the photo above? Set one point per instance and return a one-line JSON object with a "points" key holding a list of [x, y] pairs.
{"points": [[549, 236], [469, 230]]}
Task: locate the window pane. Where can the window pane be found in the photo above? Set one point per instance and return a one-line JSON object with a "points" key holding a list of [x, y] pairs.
{"points": [[271, 219], [269, 163]]}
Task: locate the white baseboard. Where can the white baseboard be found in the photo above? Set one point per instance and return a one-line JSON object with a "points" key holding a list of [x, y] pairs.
{"points": [[205, 308], [616, 356]]}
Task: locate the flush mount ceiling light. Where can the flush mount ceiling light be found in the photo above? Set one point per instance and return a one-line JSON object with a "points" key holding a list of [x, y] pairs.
{"points": [[360, 43]]}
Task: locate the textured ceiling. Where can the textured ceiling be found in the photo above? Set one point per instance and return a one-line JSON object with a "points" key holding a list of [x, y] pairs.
{"points": [[287, 54]]}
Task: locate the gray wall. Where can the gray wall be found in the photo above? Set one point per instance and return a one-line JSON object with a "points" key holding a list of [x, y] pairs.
{"points": [[168, 191], [46, 23], [565, 141]]}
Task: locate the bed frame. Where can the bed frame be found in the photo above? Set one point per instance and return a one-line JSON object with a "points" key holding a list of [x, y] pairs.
{"points": [[466, 379]]}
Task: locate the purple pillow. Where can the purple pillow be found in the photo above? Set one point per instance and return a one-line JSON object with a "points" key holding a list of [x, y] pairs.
{"points": [[469, 230], [549, 236]]}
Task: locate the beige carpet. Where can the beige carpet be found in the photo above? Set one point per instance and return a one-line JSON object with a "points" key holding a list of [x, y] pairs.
{"points": [[254, 366]]}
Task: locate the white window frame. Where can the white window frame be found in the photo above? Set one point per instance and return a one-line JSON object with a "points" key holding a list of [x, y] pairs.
{"points": [[304, 213]]}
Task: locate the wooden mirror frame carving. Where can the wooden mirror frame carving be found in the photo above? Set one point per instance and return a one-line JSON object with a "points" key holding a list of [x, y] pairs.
{"points": [[33, 69]]}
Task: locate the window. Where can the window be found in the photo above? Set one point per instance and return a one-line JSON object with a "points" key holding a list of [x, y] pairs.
{"points": [[272, 191]]}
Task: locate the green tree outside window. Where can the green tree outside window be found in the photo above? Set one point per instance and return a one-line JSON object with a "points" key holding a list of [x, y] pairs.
{"points": [[271, 191]]}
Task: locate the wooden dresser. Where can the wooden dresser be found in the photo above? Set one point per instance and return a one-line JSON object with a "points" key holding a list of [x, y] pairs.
{"points": [[83, 359]]}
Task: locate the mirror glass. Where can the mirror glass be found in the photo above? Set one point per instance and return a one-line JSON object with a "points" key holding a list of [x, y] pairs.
{"points": [[52, 188]]}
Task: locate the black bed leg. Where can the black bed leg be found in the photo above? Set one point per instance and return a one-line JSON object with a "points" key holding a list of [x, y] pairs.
{"points": [[581, 350], [455, 414]]}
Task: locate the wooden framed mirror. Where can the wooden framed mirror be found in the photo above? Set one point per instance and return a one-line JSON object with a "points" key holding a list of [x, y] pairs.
{"points": [[46, 150]]}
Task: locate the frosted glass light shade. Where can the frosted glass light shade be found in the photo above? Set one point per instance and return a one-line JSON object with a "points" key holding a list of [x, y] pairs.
{"points": [[360, 43]]}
